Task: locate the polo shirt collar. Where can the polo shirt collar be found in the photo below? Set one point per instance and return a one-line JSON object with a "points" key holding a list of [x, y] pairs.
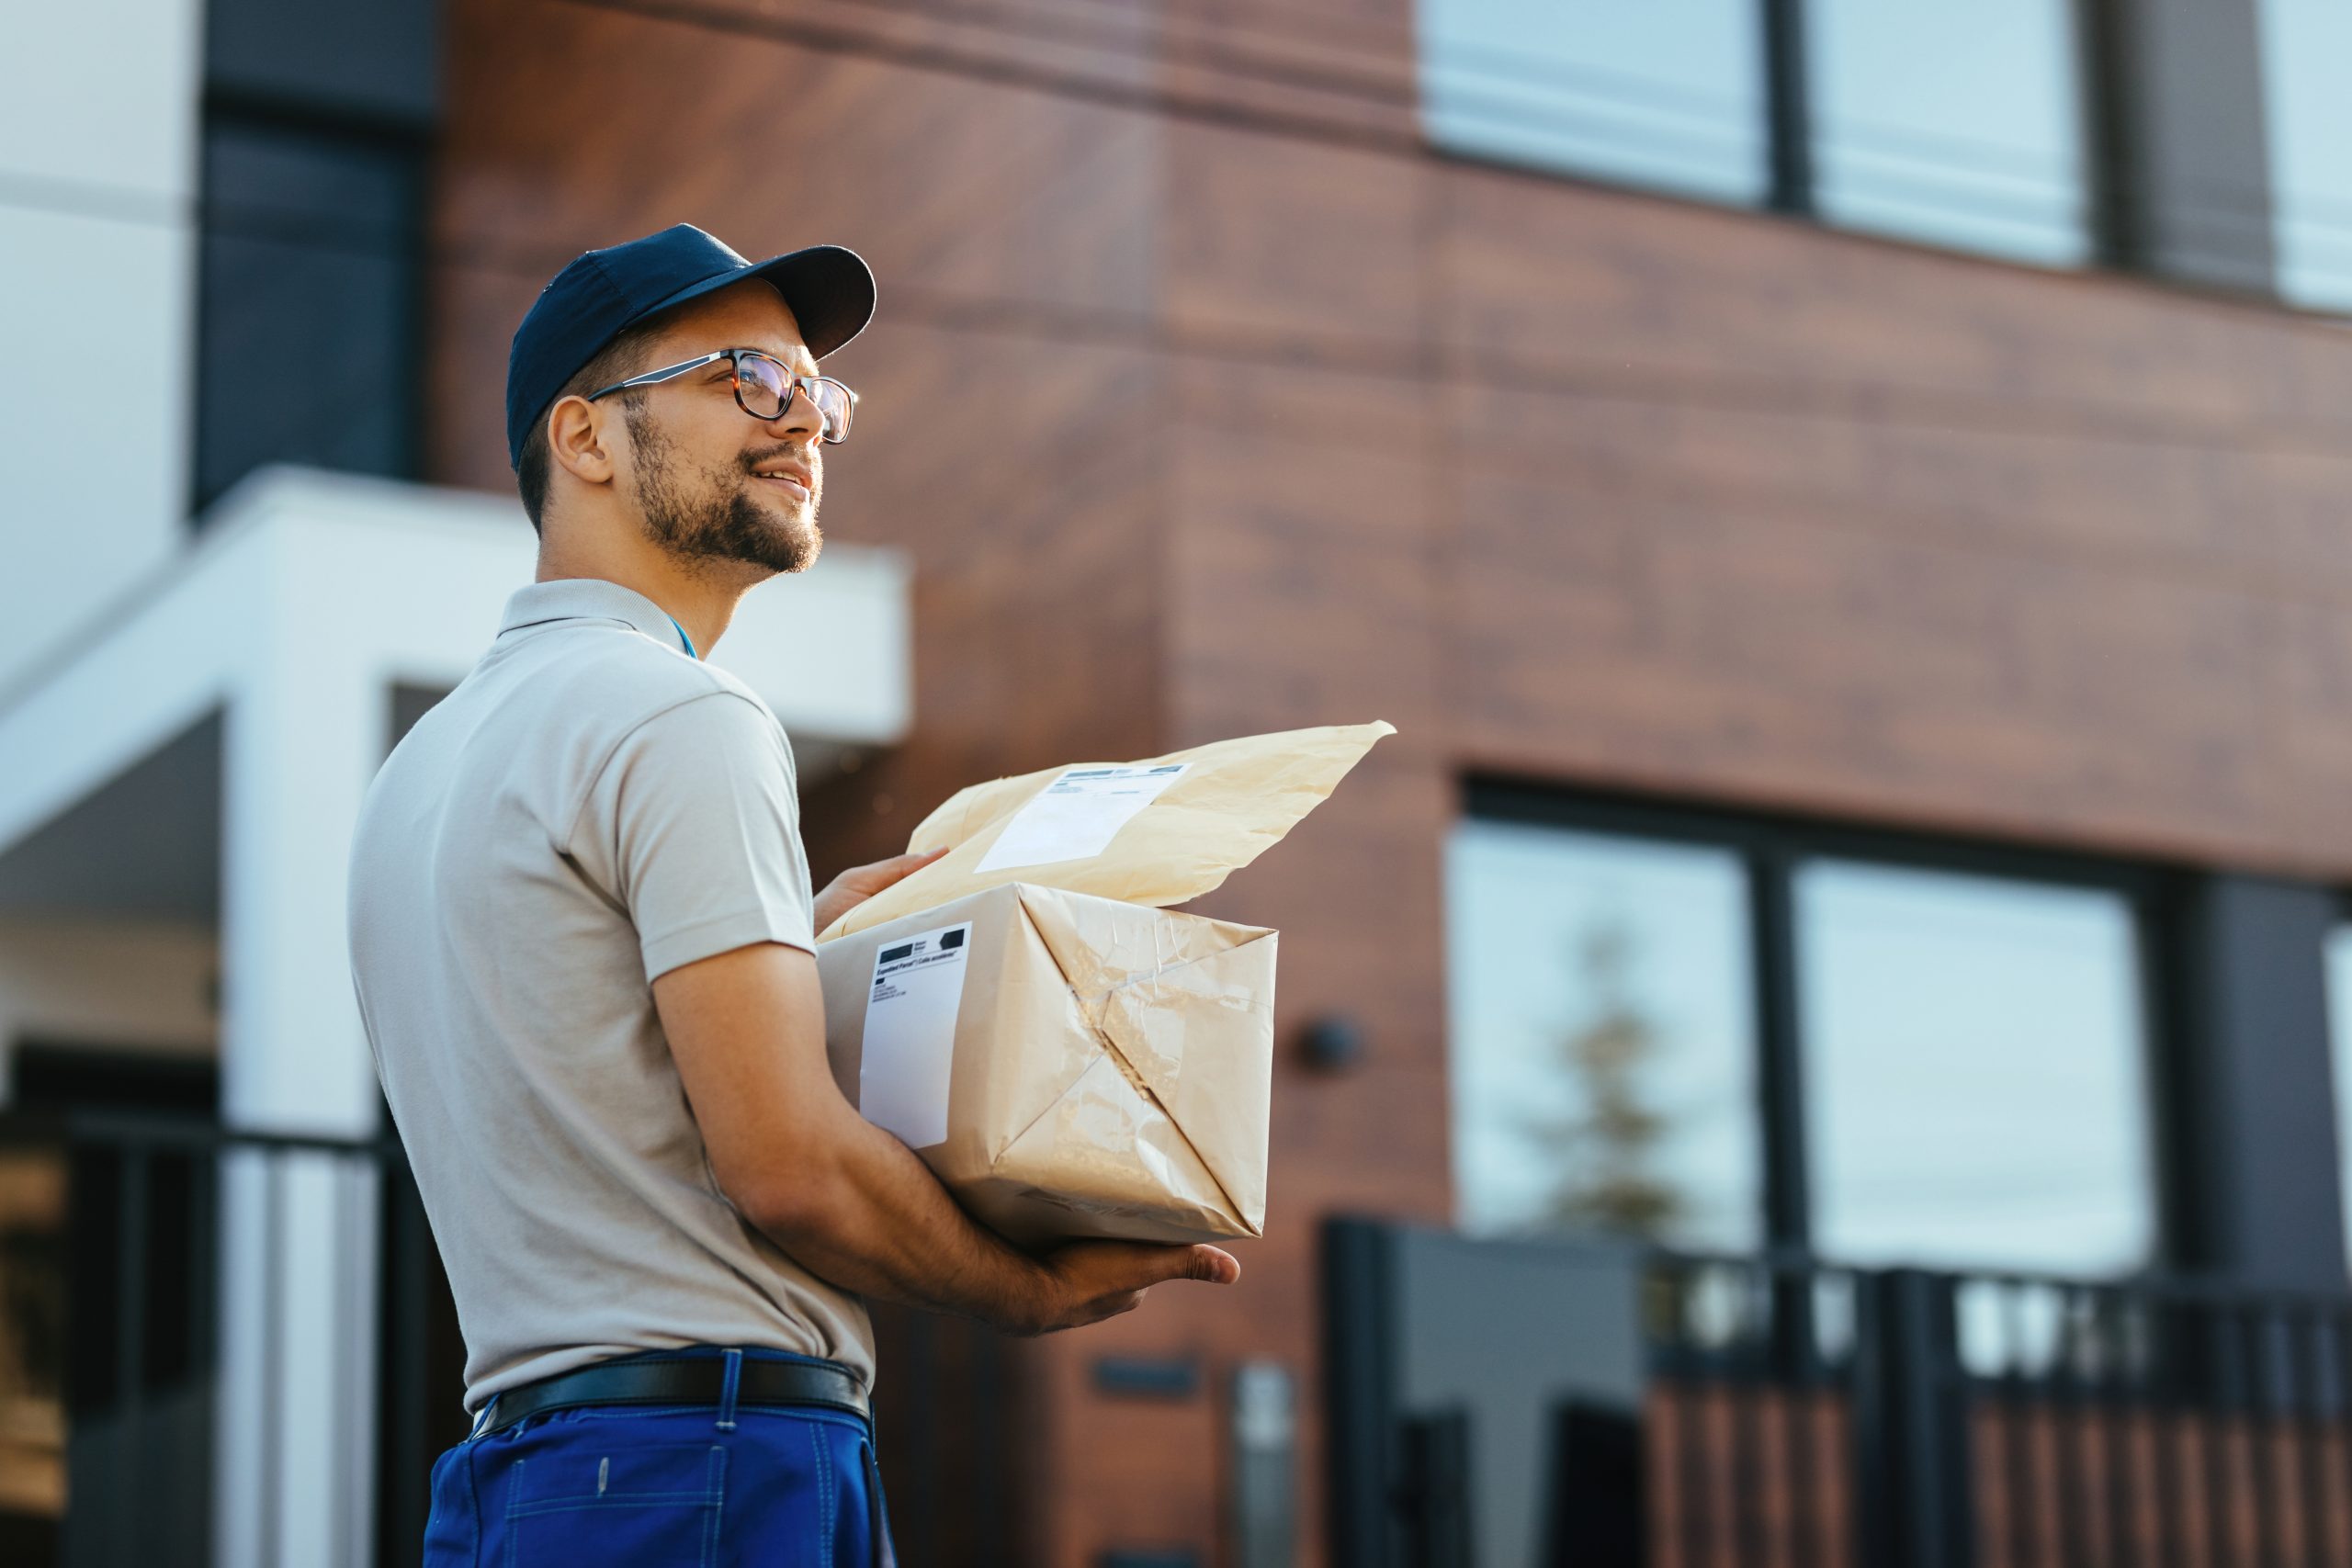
{"points": [[589, 598]]}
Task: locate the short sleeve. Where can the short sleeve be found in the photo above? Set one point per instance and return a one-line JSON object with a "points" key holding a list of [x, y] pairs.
{"points": [[694, 826]]}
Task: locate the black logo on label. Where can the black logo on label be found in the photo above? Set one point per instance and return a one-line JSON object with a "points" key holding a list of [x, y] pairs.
{"points": [[891, 956], [954, 939]]}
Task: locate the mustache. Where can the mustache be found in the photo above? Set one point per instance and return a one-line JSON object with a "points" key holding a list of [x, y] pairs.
{"points": [[798, 456]]}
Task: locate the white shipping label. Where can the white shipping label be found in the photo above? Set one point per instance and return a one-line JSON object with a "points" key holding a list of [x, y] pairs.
{"points": [[910, 1035], [1077, 815]]}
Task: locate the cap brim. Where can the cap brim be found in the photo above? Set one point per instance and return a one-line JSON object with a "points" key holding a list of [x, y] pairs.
{"points": [[829, 288]]}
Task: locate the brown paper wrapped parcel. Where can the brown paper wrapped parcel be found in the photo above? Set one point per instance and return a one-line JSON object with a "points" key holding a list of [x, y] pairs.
{"points": [[1072, 1058]]}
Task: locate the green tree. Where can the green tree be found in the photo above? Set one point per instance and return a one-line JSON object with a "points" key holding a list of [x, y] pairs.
{"points": [[1608, 1147]]}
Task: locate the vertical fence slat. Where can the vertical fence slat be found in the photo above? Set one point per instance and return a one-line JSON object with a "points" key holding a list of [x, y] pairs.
{"points": [[2342, 1340], [342, 1201], [1795, 1325], [1694, 1480], [2219, 1409], [273, 1228], [2067, 1429], [130, 1273], [1709, 1421], [2305, 1366], [2261, 1428], [2017, 1432], [404, 1419], [2174, 1468], [2332, 1425], [125, 1486], [1747, 1512], [2119, 1427], [994, 1476], [1745, 1515], [2166, 1473], [1690, 1473]]}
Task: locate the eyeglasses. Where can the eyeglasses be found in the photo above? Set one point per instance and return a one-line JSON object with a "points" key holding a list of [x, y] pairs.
{"points": [[764, 386]]}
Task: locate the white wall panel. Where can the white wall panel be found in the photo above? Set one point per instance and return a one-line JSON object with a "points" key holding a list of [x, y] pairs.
{"points": [[102, 94], [95, 421], [97, 175]]}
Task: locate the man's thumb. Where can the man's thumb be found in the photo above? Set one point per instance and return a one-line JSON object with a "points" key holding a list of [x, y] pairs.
{"points": [[897, 868], [1211, 1265]]}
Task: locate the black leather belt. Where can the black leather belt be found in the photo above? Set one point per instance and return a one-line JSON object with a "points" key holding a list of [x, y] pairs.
{"points": [[696, 1380]]}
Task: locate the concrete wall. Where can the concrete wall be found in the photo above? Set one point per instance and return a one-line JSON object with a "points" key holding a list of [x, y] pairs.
{"points": [[98, 190]]}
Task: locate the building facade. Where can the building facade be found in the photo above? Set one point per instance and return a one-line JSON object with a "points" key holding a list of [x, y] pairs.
{"points": [[1845, 504]]}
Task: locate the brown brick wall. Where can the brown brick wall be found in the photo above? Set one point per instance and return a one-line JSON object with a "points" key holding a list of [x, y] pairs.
{"points": [[1206, 402]]}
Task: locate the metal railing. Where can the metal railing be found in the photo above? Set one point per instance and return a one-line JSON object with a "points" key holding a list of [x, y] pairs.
{"points": [[2000, 1419], [1748, 1441], [118, 1317], [1791, 1412], [130, 1356]]}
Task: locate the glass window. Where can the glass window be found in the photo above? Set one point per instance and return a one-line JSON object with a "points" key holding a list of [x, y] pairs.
{"points": [[2304, 46], [2339, 1029], [1974, 1071], [1665, 92], [307, 303], [1604, 1054], [1954, 124]]}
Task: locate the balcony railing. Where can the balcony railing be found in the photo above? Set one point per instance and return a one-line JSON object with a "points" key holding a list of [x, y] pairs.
{"points": [[164, 1282], [113, 1306], [1778, 1410]]}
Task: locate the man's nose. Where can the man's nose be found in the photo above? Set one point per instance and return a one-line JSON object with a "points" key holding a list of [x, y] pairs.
{"points": [[799, 415]]}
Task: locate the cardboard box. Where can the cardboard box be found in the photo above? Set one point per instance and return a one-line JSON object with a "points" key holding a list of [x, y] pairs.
{"points": [[1069, 1065], [1069, 1057]]}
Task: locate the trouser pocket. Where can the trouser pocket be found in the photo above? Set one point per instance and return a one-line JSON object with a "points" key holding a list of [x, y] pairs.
{"points": [[646, 1506]]}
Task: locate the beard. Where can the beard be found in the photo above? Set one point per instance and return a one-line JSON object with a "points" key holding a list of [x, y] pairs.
{"points": [[710, 517]]}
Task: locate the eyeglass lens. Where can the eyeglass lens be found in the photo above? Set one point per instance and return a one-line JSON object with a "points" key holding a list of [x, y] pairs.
{"points": [[765, 388]]}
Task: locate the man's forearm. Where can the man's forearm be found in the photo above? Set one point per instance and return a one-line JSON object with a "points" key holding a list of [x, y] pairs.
{"points": [[845, 1198], [877, 1221]]}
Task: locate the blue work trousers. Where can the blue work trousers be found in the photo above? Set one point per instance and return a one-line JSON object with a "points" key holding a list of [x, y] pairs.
{"points": [[663, 1486]]}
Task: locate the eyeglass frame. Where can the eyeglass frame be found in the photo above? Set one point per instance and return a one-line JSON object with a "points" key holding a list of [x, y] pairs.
{"points": [[796, 385]]}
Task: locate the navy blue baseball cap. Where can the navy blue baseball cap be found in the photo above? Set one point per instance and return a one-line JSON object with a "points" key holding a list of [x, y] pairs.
{"points": [[830, 289]]}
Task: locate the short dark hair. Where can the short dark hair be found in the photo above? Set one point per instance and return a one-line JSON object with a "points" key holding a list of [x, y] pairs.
{"points": [[618, 360]]}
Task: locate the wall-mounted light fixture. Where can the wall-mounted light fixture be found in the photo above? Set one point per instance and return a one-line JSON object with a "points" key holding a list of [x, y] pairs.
{"points": [[1332, 1043]]}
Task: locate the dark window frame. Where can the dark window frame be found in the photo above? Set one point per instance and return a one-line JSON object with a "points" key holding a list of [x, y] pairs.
{"points": [[285, 81], [1771, 846], [2115, 225]]}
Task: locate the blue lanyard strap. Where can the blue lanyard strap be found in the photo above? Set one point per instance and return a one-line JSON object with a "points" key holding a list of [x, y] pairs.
{"points": [[685, 638]]}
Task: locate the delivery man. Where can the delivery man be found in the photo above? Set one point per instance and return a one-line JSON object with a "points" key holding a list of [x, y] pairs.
{"points": [[581, 933]]}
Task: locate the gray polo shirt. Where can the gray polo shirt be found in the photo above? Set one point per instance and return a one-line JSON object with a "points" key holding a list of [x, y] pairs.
{"points": [[591, 807]]}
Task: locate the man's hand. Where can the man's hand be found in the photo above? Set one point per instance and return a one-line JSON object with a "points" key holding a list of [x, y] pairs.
{"points": [[849, 1202], [1086, 1281], [859, 883]]}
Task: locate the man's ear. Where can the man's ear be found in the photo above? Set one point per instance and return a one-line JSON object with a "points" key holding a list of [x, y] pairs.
{"points": [[579, 440]]}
